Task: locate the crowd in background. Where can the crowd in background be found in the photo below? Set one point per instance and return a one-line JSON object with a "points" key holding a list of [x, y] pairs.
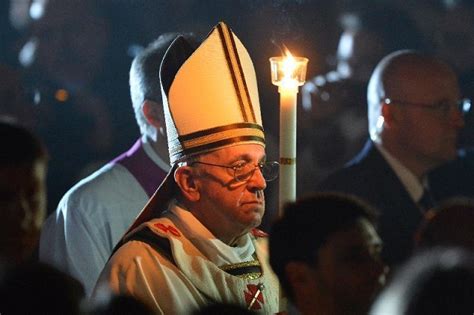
{"points": [[64, 68], [71, 59]]}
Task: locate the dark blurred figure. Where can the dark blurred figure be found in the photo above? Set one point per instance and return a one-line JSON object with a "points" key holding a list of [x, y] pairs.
{"points": [[450, 224], [436, 282], [35, 288], [454, 40], [23, 163], [65, 62], [332, 122], [13, 101], [222, 308], [415, 113], [455, 178], [11, 32], [326, 253], [117, 305]]}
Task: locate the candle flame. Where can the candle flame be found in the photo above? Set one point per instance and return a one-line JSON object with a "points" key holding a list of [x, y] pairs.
{"points": [[289, 65], [288, 68], [288, 71]]}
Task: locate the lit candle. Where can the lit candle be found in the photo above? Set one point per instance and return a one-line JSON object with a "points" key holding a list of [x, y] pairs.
{"points": [[288, 73]]}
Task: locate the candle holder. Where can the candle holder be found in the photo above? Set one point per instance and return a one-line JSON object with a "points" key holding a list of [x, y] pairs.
{"points": [[288, 73]]}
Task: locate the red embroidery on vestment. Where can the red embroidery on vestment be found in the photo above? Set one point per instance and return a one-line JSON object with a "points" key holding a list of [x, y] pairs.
{"points": [[258, 233], [254, 297], [168, 229]]}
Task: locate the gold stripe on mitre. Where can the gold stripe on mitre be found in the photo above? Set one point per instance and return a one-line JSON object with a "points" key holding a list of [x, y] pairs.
{"points": [[235, 67], [207, 140]]}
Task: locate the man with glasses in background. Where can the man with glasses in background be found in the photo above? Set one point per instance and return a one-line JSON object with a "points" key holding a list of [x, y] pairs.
{"points": [[415, 115], [204, 248]]}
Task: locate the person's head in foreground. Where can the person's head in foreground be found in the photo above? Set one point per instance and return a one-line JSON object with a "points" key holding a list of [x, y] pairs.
{"points": [[23, 164], [437, 281], [415, 109], [450, 224], [37, 288], [326, 252]]}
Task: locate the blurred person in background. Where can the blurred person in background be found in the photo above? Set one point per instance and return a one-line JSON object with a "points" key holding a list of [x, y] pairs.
{"points": [[36, 288], [450, 224], [93, 215], [23, 168], [415, 114], [453, 37], [13, 100], [438, 281], [64, 62], [332, 123]]}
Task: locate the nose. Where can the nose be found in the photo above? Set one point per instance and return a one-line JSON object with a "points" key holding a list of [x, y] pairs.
{"points": [[27, 219], [379, 270], [257, 181]]}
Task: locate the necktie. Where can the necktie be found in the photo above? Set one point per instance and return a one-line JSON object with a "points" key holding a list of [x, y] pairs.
{"points": [[426, 202]]}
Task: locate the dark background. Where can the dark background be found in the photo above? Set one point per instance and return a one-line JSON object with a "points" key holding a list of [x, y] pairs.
{"points": [[73, 88]]}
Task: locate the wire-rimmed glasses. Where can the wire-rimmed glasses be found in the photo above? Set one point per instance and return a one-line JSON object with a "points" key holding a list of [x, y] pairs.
{"points": [[244, 171], [462, 105]]}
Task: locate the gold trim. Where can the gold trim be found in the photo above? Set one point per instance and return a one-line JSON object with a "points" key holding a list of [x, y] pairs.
{"points": [[252, 263], [196, 142], [287, 161], [250, 276], [237, 71]]}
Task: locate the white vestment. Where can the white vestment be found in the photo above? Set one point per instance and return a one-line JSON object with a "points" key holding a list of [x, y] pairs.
{"points": [[78, 238], [186, 271]]}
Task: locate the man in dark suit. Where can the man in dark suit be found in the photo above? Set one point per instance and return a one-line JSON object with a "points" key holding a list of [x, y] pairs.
{"points": [[414, 119]]}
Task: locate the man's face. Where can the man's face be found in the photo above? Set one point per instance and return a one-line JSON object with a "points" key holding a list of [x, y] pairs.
{"points": [[349, 268], [23, 206], [226, 204], [428, 135]]}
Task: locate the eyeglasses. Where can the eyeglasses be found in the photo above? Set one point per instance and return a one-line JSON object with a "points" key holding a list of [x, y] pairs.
{"points": [[244, 171], [463, 105]]}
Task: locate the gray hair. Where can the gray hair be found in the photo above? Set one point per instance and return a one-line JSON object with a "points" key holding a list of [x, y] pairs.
{"points": [[145, 80]]}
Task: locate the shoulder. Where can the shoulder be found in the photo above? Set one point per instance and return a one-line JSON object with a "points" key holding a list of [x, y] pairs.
{"points": [[257, 233], [454, 178], [355, 180], [363, 169], [344, 178], [110, 183], [134, 262], [101, 180], [260, 240], [156, 234]]}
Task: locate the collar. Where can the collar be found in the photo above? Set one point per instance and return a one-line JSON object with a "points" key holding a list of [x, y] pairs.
{"points": [[153, 156], [409, 180], [216, 250]]}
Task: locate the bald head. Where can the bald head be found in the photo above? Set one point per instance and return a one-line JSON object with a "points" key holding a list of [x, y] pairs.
{"points": [[413, 110], [406, 75]]}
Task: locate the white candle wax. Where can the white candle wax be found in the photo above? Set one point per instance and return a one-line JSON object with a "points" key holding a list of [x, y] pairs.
{"points": [[287, 183], [288, 73]]}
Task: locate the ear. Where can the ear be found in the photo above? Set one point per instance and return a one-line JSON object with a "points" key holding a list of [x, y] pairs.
{"points": [[389, 114], [185, 178], [153, 112]]}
